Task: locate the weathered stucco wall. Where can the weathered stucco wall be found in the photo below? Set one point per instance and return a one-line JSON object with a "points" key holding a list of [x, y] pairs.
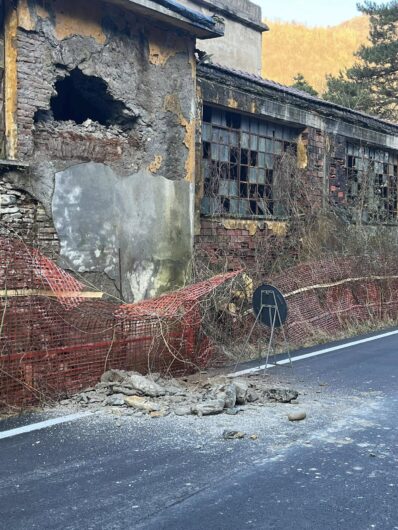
{"points": [[137, 80], [146, 218], [241, 45]]}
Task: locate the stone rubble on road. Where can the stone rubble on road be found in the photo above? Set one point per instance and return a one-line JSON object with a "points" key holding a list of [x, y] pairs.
{"points": [[159, 396]]}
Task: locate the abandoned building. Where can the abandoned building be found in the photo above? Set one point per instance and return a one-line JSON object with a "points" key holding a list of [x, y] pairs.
{"points": [[122, 148]]}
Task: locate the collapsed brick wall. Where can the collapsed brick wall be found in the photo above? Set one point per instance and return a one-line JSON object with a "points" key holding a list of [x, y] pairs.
{"points": [[61, 142], [21, 215], [49, 53]]}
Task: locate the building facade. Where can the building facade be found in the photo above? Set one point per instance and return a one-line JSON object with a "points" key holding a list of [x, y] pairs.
{"points": [[249, 128], [122, 147], [98, 156]]}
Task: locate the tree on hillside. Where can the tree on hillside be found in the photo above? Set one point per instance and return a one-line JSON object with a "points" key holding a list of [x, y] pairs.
{"points": [[302, 84], [377, 68], [343, 91]]}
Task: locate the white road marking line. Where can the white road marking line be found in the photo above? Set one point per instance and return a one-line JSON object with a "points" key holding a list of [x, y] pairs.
{"points": [[43, 424], [314, 354]]}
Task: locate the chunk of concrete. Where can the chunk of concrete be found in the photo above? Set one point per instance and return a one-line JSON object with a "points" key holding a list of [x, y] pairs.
{"points": [[115, 400], [126, 390], [145, 386], [141, 403], [228, 394], [241, 391], [297, 416], [281, 395], [114, 376], [182, 411], [233, 435], [208, 408]]}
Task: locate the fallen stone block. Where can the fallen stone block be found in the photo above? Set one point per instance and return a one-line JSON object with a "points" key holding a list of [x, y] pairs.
{"points": [[297, 416], [141, 403], [182, 411], [233, 435], [228, 394], [159, 413], [252, 396], [207, 408], [281, 395], [145, 386], [126, 390], [114, 376], [115, 400], [242, 389]]}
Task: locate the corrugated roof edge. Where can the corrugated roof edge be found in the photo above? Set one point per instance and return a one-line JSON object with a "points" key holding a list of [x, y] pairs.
{"points": [[293, 92]]}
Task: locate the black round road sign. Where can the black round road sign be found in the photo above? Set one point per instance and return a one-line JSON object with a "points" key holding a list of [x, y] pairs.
{"points": [[269, 306]]}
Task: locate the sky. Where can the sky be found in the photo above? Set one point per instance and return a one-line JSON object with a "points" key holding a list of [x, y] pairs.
{"points": [[310, 12]]}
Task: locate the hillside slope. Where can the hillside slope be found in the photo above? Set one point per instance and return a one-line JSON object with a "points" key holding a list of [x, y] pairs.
{"points": [[290, 48]]}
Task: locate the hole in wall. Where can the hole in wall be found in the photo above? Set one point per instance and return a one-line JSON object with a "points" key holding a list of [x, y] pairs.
{"points": [[82, 97]]}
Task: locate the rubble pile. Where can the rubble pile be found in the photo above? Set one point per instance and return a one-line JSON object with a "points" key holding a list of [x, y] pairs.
{"points": [[158, 396]]}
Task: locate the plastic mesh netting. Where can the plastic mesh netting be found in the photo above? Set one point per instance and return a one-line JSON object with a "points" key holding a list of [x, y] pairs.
{"points": [[55, 340]]}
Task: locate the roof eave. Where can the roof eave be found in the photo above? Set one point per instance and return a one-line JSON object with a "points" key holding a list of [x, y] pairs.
{"points": [[175, 14], [333, 108]]}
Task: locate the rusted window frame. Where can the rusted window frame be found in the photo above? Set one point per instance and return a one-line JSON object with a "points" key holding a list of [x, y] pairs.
{"points": [[372, 184], [239, 156]]}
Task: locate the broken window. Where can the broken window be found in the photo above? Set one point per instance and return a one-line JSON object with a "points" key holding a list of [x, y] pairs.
{"points": [[240, 158], [83, 97], [372, 184]]}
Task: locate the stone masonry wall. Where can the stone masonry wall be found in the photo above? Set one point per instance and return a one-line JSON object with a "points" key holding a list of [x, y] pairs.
{"points": [[22, 216]]}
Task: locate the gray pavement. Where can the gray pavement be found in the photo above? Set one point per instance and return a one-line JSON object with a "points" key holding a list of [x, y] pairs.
{"points": [[336, 470]]}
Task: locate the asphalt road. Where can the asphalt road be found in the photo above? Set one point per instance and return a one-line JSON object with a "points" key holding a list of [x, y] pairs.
{"points": [[336, 470]]}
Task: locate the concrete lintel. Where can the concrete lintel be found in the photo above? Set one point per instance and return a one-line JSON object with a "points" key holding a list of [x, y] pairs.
{"points": [[175, 14], [5, 165], [229, 10]]}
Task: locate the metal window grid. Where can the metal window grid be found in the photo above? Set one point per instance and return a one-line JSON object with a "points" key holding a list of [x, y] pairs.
{"points": [[240, 156]]}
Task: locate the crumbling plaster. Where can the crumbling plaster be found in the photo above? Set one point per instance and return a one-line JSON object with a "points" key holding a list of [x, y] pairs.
{"points": [[146, 218], [152, 71]]}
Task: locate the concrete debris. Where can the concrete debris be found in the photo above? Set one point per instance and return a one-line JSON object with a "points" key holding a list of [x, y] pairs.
{"points": [[233, 435], [116, 400], [159, 396], [141, 403], [145, 386], [228, 394], [252, 396], [208, 408], [242, 391], [233, 412], [297, 416], [113, 376], [126, 390], [159, 413], [182, 411], [281, 395]]}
